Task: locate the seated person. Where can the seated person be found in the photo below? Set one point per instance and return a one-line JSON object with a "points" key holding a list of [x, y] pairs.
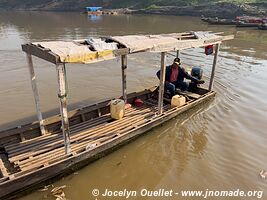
{"points": [[175, 75]]}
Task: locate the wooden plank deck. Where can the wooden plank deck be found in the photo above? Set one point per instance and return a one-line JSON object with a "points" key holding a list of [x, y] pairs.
{"points": [[45, 150], [3, 171]]}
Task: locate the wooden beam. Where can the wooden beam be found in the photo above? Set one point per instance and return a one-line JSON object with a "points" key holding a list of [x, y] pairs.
{"points": [[123, 70], [35, 94], [3, 171], [62, 94], [228, 37], [40, 52], [161, 82], [217, 47], [120, 52], [178, 51]]}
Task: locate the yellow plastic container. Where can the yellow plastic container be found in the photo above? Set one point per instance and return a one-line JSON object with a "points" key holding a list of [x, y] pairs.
{"points": [[177, 101], [117, 108]]}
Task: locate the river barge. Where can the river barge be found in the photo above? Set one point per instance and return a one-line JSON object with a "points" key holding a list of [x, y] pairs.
{"points": [[32, 154]]}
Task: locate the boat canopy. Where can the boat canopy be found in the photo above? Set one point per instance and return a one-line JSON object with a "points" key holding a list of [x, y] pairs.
{"points": [[93, 9], [104, 48]]}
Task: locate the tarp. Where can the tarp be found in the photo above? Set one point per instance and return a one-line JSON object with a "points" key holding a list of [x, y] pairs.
{"points": [[100, 45]]}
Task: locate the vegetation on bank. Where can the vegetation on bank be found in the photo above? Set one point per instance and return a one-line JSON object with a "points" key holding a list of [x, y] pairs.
{"points": [[211, 8], [134, 4], [149, 3]]}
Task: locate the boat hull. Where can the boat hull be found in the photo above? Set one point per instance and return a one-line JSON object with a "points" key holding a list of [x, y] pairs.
{"points": [[247, 24], [222, 22], [262, 27]]}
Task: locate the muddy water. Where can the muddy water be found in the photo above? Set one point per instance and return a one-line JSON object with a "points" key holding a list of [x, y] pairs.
{"points": [[220, 145]]}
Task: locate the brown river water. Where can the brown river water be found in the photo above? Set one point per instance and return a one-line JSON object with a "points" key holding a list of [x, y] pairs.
{"points": [[220, 145]]}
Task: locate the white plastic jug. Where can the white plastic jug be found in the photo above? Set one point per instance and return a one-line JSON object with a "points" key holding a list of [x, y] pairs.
{"points": [[117, 108], [177, 101]]}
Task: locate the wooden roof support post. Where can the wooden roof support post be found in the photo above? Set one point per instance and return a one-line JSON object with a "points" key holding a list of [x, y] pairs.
{"points": [[62, 95], [161, 82], [217, 47], [35, 93], [178, 51], [123, 70], [177, 54]]}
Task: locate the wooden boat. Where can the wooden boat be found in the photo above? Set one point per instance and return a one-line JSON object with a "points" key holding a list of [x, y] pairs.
{"points": [[262, 26], [217, 21], [246, 24], [41, 151], [247, 21], [94, 10], [204, 19]]}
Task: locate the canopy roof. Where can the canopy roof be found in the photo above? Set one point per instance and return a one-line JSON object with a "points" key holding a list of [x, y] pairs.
{"points": [[93, 9], [104, 48]]}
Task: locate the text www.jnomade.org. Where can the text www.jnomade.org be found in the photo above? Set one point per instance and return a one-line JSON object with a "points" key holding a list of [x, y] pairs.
{"points": [[172, 193]]}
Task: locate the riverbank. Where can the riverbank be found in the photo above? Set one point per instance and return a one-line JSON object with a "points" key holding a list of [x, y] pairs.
{"points": [[217, 146], [221, 10], [213, 9]]}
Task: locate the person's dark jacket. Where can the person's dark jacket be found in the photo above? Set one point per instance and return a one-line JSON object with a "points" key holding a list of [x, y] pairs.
{"points": [[181, 74]]}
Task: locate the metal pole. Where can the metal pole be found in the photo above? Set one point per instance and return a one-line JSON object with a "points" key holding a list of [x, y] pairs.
{"points": [[123, 70], [161, 82], [217, 47], [35, 94], [62, 94]]}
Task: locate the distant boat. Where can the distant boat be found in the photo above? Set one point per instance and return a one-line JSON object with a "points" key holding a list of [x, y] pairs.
{"points": [[246, 24], [221, 21], [216, 20], [93, 10], [240, 21], [203, 18], [247, 21], [262, 26]]}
